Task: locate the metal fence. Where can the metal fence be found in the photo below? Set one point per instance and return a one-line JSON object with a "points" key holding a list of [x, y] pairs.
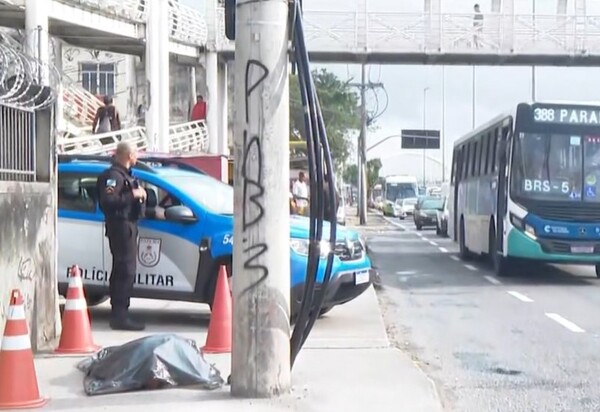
{"points": [[27, 86], [17, 144]]}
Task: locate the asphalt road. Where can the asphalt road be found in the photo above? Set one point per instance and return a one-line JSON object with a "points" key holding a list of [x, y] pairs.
{"points": [[530, 342]]}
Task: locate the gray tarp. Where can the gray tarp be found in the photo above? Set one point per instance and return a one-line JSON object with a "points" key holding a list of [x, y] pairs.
{"points": [[152, 362]]}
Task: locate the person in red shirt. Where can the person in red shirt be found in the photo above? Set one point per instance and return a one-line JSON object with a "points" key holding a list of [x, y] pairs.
{"points": [[199, 110]]}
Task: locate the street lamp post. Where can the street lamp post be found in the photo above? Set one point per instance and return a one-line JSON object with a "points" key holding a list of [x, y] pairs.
{"points": [[425, 90], [443, 131]]}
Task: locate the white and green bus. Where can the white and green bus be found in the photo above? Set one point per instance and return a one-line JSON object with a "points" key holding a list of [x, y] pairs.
{"points": [[398, 187], [526, 185]]}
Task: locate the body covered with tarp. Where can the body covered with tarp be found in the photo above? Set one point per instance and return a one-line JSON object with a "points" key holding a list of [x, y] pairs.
{"points": [[152, 362]]}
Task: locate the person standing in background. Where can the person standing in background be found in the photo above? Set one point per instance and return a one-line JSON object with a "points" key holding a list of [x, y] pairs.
{"points": [[199, 110], [300, 192]]}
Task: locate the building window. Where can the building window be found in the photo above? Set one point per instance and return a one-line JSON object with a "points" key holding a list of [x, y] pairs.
{"points": [[98, 78]]}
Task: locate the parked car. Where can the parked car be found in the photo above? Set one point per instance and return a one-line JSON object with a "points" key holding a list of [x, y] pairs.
{"points": [[179, 256], [425, 213], [405, 207], [441, 226]]}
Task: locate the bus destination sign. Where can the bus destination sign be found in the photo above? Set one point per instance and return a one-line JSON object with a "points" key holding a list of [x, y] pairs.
{"points": [[567, 115]]}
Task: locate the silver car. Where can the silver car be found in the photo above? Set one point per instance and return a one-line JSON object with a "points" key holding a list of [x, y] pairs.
{"points": [[404, 208]]}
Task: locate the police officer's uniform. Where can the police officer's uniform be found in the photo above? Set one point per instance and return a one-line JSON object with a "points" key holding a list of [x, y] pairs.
{"points": [[122, 211]]}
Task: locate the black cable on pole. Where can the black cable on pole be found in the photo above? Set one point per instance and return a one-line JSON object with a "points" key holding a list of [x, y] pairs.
{"points": [[321, 173]]}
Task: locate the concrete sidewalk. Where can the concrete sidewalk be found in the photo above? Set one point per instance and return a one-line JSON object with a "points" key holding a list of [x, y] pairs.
{"points": [[347, 364]]}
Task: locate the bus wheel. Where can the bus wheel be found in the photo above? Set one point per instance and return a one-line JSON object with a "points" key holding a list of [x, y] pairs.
{"points": [[464, 252], [598, 270], [500, 264]]}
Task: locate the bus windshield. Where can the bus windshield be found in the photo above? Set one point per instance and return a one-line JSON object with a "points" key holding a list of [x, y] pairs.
{"points": [[396, 191], [556, 167]]}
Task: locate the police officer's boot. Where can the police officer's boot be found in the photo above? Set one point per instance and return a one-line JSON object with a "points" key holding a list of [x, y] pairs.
{"points": [[122, 321]]}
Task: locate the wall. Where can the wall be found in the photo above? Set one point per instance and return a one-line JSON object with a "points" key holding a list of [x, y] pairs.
{"points": [[28, 245], [28, 257]]}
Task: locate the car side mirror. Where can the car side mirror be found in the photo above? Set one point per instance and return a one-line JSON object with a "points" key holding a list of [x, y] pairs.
{"points": [[180, 214]]}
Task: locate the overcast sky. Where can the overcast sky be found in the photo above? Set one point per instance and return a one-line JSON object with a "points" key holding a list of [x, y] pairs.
{"points": [[497, 88]]}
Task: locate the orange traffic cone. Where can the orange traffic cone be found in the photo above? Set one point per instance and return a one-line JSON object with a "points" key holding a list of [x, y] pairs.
{"points": [[218, 339], [76, 336], [19, 388]]}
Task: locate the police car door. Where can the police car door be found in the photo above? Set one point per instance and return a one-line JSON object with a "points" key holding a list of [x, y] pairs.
{"points": [[81, 230], [167, 258]]}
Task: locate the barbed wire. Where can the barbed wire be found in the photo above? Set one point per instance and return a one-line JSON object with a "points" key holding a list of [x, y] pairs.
{"points": [[25, 81]]}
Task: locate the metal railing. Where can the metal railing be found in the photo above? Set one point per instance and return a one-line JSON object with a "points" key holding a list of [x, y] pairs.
{"points": [[398, 33], [187, 25], [186, 137], [17, 144], [80, 106], [102, 143]]}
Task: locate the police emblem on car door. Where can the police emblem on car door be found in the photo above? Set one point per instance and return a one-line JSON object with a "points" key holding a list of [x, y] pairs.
{"points": [[149, 251]]}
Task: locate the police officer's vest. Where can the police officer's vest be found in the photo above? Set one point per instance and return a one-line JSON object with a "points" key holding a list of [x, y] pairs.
{"points": [[134, 211]]}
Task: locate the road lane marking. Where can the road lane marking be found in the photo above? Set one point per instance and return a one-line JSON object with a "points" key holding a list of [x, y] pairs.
{"points": [[453, 257], [406, 272], [471, 267], [443, 249], [432, 243], [421, 235], [564, 322], [424, 238], [492, 280], [519, 296]]}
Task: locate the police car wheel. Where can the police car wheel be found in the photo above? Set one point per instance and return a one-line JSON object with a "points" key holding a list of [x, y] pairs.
{"points": [[95, 300]]}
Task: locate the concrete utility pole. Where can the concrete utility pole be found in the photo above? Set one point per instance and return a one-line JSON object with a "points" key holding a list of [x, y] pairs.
{"points": [[157, 74], [260, 361], [36, 28], [362, 165], [362, 142]]}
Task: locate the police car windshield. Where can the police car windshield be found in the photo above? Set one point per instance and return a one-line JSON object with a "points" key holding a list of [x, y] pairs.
{"points": [[210, 193], [556, 167]]}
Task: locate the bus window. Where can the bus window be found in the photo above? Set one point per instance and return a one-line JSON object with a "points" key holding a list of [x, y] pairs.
{"points": [[473, 158], [465, 161], [485, 154], [495, 143], [480, 153], [453, 170]]}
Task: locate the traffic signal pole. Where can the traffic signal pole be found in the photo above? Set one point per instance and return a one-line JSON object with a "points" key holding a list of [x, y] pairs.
{"points": [[260, 362]]}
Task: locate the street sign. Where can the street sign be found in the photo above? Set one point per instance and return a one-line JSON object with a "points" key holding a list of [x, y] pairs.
{"points": [[420, 139]]}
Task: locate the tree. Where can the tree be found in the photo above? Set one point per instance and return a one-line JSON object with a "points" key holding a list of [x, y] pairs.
{"points": [[351, 174], [340, 108], [373, 168]]}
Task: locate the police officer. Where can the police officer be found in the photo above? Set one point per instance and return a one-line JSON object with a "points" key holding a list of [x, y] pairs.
{"points": [[122, 202]]}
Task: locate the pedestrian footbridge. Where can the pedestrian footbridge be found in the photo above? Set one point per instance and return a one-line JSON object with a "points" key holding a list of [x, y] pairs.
{"points": [[113, 25], [447, 38]]}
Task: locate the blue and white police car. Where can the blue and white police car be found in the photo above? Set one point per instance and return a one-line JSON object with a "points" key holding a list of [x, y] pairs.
{"points": [[179, 256]]}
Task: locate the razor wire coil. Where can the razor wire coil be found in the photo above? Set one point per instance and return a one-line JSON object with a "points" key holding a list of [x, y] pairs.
{"points": [[25, 81]]}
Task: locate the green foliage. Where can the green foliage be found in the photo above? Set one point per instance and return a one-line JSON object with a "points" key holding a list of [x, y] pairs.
{"points": [[373, 168], [351, 174], [340, 107]]}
